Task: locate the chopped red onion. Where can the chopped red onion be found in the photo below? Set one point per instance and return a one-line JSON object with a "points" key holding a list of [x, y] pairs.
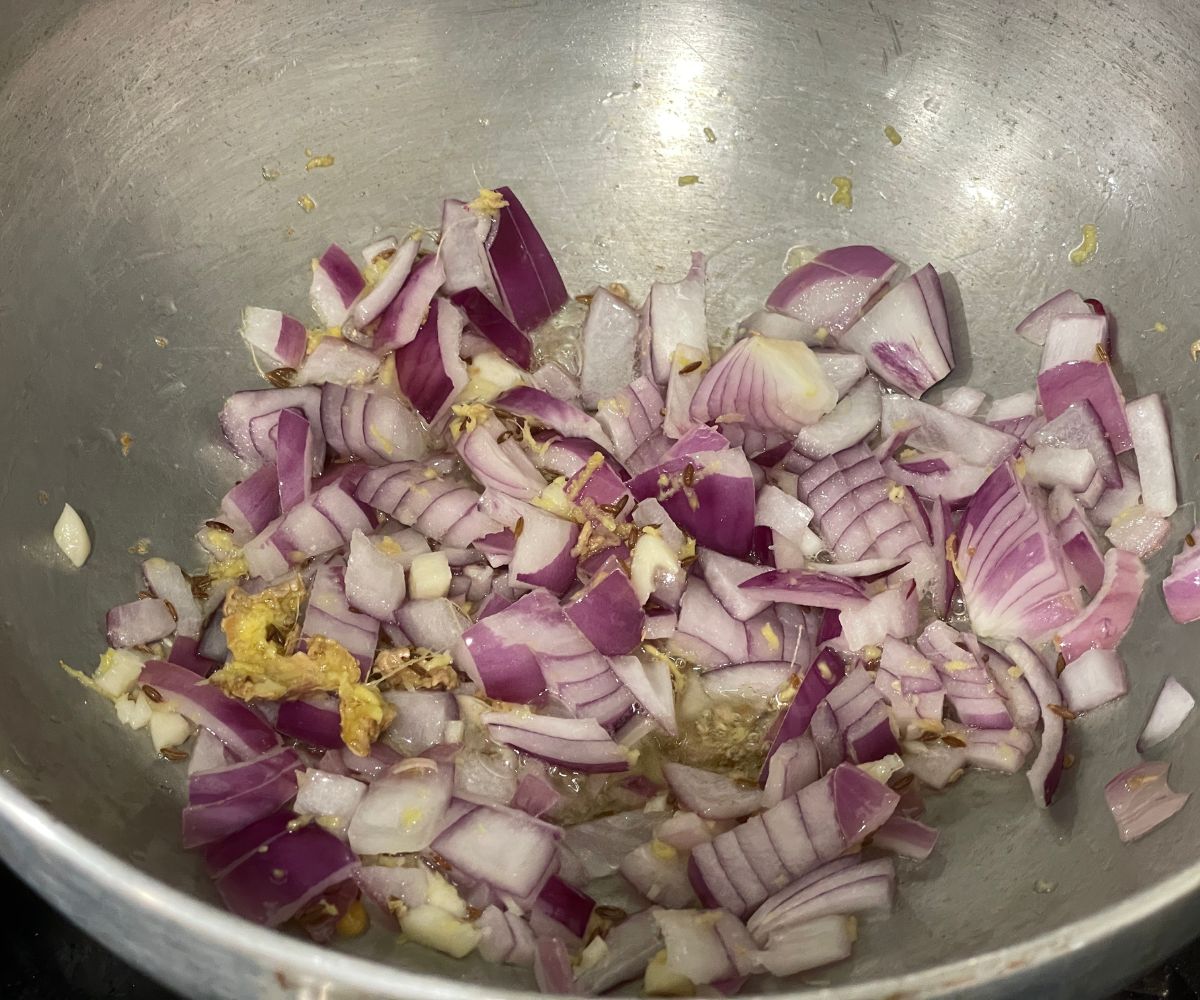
{"points": [[1046, 771], [906, 837], [279, 336], [852, 420], [530, 849], [1136, 529], [428, 369], [1094, 382], [1036, 325], [403, 809], [1096, 677], [491, 324], [336, 283], [1181, 587], [400, 321], [338, 361], [905, 337], [1140, 799], [574, 744], [831, 291], [528, 280], [708, 794], [771, 385], [1104, 622], [1152, 446], [1173, 705]]}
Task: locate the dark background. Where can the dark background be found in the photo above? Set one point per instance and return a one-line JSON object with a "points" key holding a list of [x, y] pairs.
{"points": [[45, 956]]}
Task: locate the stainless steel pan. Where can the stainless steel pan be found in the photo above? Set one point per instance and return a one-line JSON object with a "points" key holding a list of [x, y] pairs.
{"points": [[134, 213]]}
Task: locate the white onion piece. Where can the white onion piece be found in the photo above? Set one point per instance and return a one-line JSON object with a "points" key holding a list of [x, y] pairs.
{"points": [[1093, 679], [168, 729], [1152, 445], [72, 537], [965, 401], [1021, 404], [1173, 706], [1138, 530], [374, 300], [333, 797]]}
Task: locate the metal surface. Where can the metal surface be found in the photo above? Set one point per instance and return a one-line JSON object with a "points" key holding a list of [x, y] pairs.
{"points": [[133, 136]]}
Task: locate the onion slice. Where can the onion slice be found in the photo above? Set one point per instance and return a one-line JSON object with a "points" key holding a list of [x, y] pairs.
{"points": [[1173, 705], [1140, 799]]}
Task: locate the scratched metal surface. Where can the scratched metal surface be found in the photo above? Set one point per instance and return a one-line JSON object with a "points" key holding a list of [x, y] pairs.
{"points": [[133, 134]]}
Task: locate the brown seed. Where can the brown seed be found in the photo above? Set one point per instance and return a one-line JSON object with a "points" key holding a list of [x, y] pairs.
{"points": [[688, 369], [1101, 353], [616, 508], [504, 437], [473, 912], [172, 753], [928, 737], [171, 609], [201, 585], [519, 527], [953, 741], [276, 635], [1060, 664], [1190, 539], [219, 526], [281, 378], [689, 474], [153, 694], [145, 595], [435, 860], [903, 781], [1062, 712], [1068, 760], [585, 299]]}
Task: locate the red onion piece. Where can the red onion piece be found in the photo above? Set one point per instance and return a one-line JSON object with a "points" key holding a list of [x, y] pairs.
{"points": [[1104, 622], [708, 794], [1140, 799], [403, 809], [235, 724], [809, 946], [1011, 567], [336, 283], [892, 612], [252, 504], [248, 419], [374, 578], [1036, 325], [852, 420], [843, 370], [905, 336], [491, 324], [1070, 467], [1152, 446], [575, 744], [968, 685], [831, 291], [530, 286], [542, 556], [1139, 531], [826, 819], [1181, 587], [910, 684], [1046, 771], [167, 581], [672, 317], [530, 849], [374, 300], [226, 800], [771, 385], [906, 837], [933, 429], [836, 888], [314, 721], [506, 938], [428, 370], [273, 884], [1094, 382], [339, 361], [608, 345], [400, 321], [714, 502], [608, 612], [632, 416], [538, 405], [1079, 426], [463, 250], [1075, 337], [1095, 678], [139, 622], [811, 589], [293, 458], [279, 336], [1173, 705], [329, 615]]}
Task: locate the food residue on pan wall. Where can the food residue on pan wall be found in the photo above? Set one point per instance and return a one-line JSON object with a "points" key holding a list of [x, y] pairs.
{"points": [[161, 341], [305, 201], [317, 162], [270, 173], [140, 547], [893, 136], [686, 180], [1195, 349], [125, 441], [1087, 247], [843, 192], [709, 134], [1160, 327]]}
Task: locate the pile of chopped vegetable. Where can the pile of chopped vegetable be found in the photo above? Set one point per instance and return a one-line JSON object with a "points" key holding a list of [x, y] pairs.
{"points": [[621, 657]]}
